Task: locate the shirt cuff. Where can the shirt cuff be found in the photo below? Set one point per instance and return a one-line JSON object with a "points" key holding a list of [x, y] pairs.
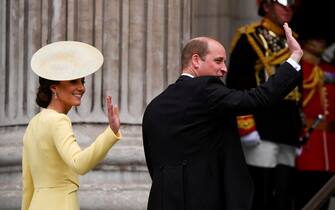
{"points": [[294, 64]]}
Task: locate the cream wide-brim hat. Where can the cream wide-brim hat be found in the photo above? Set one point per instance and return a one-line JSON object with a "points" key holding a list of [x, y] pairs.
{"points": [[66, 60]]}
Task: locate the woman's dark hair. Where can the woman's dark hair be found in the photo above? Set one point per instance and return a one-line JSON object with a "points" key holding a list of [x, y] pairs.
{"points": [[44, 94]]}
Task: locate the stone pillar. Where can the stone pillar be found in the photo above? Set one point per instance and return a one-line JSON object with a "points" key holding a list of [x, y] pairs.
{"points": [[141, 41], [222, 18]]}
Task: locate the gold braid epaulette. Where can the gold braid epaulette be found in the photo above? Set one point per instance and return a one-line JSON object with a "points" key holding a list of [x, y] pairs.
{"points": [[240, 31], [314, 81], [250, 29]]}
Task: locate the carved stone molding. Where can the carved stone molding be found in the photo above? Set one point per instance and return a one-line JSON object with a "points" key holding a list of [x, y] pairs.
{"points": [[141, 41]]}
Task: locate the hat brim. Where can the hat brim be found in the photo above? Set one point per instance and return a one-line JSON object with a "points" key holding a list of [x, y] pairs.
{"points": [[66, 60]]}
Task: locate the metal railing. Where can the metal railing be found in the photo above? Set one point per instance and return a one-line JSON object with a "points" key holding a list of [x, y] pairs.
{"points": [[321, 196]]}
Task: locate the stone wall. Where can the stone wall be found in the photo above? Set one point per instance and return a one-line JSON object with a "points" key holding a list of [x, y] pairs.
{"points": [[141, 41], [222, 18]]}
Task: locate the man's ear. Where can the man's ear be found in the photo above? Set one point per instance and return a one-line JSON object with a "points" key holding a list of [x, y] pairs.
{"points": [[195, 61]]}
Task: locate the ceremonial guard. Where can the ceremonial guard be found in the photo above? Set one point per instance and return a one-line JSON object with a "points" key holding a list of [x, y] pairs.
{"points": [[316, 162], [317, 159], [270, 136]]}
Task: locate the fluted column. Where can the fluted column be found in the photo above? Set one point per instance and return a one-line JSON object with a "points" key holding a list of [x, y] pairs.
{"points": [[141, 41], [222, 18]]}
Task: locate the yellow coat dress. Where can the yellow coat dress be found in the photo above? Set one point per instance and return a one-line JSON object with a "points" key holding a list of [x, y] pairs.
{"points": [[52, 160]]}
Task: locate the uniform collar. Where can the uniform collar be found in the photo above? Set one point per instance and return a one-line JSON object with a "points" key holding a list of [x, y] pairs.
{"points": [[268, 24]]}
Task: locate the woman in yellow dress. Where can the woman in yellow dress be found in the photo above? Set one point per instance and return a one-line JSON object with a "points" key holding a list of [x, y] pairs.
{"points": [[51, 158]]}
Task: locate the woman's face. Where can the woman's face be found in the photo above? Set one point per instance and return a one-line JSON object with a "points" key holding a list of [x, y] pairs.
{"points": [[69, 93]]}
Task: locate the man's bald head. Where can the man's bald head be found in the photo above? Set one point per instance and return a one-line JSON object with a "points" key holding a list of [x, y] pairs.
{"points": [[199, 46], [204, 56]]}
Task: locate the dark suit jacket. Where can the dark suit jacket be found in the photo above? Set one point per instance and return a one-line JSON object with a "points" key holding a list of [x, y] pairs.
{"points": [[192, 146]]}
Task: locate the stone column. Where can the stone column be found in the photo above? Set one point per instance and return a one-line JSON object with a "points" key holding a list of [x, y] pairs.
{"points": [[141, 41], [222, 18]]}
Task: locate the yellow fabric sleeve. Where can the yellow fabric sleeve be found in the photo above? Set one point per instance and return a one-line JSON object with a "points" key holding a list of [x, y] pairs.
{"points": [[80, 161]]}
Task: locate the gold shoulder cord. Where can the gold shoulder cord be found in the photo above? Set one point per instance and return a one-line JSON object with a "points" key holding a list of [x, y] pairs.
{"points": [[240, 31], [314, 81], [257, 49]]}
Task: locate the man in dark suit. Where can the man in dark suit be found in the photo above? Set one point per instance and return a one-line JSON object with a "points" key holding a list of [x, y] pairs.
{"points": [[190, 136]]}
